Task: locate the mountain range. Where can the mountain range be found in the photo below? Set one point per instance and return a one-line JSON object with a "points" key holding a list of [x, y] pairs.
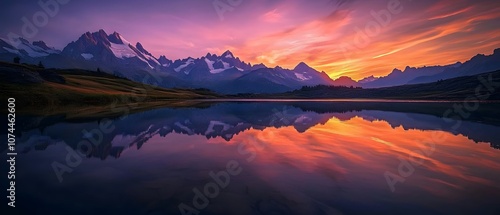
{"points": [[225, 73]]}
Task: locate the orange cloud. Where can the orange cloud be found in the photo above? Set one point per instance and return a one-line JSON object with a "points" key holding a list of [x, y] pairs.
{"points": [[412, 38]]}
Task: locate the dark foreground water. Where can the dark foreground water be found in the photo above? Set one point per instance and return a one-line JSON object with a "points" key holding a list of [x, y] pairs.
{"points": [[262, 158]]}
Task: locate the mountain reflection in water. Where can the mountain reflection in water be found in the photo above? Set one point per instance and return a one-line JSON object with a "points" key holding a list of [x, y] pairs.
{"points": [[307, 158]]}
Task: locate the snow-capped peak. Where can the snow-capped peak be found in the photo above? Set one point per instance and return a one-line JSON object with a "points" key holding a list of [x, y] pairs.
{"points": [[304, 68], [36, 49], [100, 45], [122, 48], [117, 39], [228, 54], [41, 44]]}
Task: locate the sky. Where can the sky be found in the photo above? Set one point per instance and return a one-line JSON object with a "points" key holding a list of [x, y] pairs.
{"points": [[341, 37]]}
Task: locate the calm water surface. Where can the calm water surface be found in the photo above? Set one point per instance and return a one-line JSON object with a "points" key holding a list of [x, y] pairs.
{"points": [[268, 158]]}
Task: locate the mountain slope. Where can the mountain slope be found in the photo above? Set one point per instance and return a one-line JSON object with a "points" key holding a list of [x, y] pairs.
{"points": [[49, 90], [476, 65], [458, 89], [398, 77], [275, 80]]}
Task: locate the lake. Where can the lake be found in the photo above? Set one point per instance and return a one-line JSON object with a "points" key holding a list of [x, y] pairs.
{"points": [[290, 157]]}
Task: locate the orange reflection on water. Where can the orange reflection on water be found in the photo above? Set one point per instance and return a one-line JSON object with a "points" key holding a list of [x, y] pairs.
{"points": [[360, 147]]}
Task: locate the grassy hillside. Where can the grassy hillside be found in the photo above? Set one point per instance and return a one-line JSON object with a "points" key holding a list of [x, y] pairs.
{"points": [[50, 91]]}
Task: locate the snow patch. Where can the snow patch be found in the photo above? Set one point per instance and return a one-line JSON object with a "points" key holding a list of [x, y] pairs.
{"points": [[87, 56], [30, 49], [151, 58], [211, 129], [122, 51], [226, 65], [210, 65], [12, 50], [125, 42], [185, 128], [302, 119], [302, 77], [33, 51], [188, 62]]}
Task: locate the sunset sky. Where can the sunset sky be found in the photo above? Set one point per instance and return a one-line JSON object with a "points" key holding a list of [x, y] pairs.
{"points": [[340, 37]]}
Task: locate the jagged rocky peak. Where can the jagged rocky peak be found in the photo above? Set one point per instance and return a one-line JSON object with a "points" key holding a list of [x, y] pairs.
{"points": [[41, 44], [164, 61], [396, 70], [302, 66], [227, 54], [115, 38], [142, 49]]}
